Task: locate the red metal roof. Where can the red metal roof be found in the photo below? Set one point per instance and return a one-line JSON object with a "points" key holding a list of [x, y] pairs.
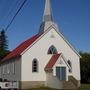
{"points": [[16, 52], [52, 61]]}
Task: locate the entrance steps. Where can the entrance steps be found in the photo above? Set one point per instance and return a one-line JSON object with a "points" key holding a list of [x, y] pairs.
{"points": [[68, 85], [72, 83]]}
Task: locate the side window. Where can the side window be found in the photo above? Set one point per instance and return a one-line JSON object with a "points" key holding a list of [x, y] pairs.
{"points": [[52, 50], [13, 67], [70, 64], [3, 69], [0, 70], [35, 65], [8, 68]]}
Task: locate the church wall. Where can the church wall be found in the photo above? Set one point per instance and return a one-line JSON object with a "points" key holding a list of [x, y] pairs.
{"points": [[27, 58], [69, 55], [31, 84], [8, 73], [63, 47], [39, 51], [53, 81]]}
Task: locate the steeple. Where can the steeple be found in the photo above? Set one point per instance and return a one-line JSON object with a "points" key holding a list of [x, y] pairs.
{"points": [[47, 12], [47, 18]]}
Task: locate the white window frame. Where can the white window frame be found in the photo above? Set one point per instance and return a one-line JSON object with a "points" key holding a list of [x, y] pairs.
{"points": [[3, 67], [14, 68], [0, 71], [52, 50], [8, 67], [37, 66], [70, 64]]}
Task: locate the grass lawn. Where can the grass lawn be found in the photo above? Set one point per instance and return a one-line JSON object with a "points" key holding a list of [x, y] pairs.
{"points": [[82, 87], [85, 86], [42, 89]]}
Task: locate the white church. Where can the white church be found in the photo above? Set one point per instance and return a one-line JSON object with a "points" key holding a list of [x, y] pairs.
{"points": [[45, 60]]}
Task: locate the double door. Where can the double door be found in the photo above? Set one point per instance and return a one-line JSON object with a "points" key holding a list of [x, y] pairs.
{"points": [[61, 73]]}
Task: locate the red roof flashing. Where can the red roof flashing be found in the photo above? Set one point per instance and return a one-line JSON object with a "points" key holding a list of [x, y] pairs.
{"points": [[52, 61], [21, 48]]}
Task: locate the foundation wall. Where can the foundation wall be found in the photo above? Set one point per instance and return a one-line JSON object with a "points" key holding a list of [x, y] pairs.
{"points": [[31, 84]]}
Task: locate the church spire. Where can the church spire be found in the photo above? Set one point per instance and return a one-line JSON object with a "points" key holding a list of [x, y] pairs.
{"points": [[47, 12], [47, 18]]}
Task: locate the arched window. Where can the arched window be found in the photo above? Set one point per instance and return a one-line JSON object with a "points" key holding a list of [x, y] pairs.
{"points": [[70, 64], [52, 50], [35, 65]]}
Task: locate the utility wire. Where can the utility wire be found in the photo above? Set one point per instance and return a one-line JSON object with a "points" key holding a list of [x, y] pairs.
{"points": [[5, 9], [9, 13], [15, 15]]}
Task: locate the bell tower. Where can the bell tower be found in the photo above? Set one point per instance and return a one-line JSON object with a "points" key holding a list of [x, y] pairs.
{"points": [[47, 18]]}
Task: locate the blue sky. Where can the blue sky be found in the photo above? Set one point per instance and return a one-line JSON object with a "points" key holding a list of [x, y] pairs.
{"points": [[72, 17]]}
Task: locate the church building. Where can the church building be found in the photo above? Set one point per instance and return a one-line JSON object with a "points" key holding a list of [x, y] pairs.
{"points": [[45, 60]]}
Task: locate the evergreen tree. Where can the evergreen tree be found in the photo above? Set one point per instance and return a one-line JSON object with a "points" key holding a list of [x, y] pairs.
{"points": [[3, 45], [3, 41]]}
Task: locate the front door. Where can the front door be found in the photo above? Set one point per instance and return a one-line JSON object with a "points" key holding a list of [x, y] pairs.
{"points": [[61, 73]]}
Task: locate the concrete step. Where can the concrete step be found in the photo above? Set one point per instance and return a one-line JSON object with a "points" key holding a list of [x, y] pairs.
{"points": [[68, 85]]}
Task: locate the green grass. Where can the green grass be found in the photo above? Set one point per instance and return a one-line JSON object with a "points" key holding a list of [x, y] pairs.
{"points": [[43, 88], [85, 86]]}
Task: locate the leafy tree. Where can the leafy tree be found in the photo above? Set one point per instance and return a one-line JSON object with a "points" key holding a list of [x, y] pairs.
{"points": [[85, 67], [3, 45]]}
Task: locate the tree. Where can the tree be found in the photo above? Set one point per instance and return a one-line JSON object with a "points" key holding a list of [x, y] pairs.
{"points": [[3, 45], [3, 41], [85, 67], [3, 53]]}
